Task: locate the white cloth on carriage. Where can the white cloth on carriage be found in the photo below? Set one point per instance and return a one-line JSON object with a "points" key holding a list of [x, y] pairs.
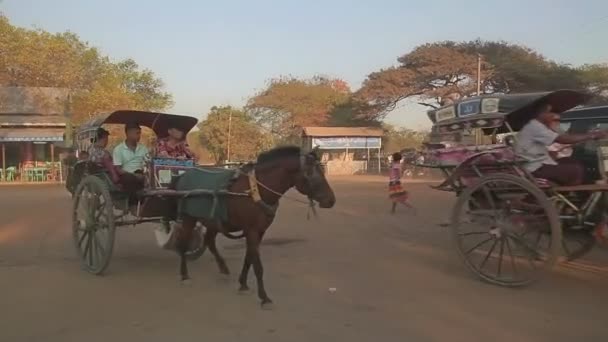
{"points": [[532, 144], [561, 150]]}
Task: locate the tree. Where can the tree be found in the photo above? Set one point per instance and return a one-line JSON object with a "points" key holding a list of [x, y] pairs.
{"points": [[397, 138], [36, 58], [595, 76], [246, 139], [437, 73], [288, 104], [119, 86]]}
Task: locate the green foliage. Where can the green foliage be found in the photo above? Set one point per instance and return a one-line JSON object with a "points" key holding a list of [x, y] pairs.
{"points": [[595, 76], [444, 71], [397, 138], [246, 138], [288, 104], [38, 58]]}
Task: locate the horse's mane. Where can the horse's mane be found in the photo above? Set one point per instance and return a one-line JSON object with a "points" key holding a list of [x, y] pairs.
{"points": [[279, 153]]}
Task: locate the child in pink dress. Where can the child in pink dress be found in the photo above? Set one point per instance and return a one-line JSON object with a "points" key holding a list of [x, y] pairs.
{"points": [[396, 193]]}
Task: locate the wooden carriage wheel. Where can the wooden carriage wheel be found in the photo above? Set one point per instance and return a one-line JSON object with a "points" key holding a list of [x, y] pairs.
{"points": [[93, 225], [576, 243], [498, 238]]}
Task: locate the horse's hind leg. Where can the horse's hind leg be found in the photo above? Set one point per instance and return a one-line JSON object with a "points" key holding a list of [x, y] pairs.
{"points": [[183, 243], [244, 273], [253, 254], [209, 241]]}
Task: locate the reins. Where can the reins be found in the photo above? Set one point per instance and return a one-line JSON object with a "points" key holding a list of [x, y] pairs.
{"points": [[311, 204]]}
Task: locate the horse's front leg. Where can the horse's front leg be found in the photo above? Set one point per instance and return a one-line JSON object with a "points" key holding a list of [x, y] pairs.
{"points": [[253, 254], [183, 243], [209, 241]]}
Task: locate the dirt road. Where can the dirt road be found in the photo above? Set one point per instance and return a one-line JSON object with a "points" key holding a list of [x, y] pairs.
{"points": [[396, 278]]}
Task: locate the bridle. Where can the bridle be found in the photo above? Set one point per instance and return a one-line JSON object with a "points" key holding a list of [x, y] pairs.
{"points": [[309, 170]]}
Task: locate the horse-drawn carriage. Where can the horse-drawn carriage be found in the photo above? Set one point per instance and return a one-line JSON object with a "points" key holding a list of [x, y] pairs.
{"points": [[199, 202], [101, 205], [509, 226]]}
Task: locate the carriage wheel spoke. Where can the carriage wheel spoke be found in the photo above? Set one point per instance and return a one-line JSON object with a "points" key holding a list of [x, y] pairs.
{"points": [[477, 245], [91, 250], [84, 235], [502, 247], [538, 238], [476, 202], [99, 212], [511, 255], [99, 245], [483, 263], [522, 243], [87, 247], [483, 213], [472, 233], [489, 198], [531, 252]]}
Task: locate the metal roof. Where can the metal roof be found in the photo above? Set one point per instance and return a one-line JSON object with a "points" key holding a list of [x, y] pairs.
{"points": [[43, 100], [31, 119], [31, 134], [597, 112]]}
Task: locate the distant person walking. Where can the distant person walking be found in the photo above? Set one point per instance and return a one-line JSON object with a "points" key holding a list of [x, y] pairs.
{"points": [[396, 192]]}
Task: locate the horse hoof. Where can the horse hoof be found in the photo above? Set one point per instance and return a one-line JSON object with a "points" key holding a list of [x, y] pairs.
{"points": [[186, 282], [267, 304], [224, 271], [244, 289]]}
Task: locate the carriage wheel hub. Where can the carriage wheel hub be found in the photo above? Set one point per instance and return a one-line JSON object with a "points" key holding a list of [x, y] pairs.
{"points": [[496, 232]]}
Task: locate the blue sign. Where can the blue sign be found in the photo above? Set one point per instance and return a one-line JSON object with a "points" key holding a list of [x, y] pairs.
{"points": [[468, 108], [347, 142], [174, 162]]}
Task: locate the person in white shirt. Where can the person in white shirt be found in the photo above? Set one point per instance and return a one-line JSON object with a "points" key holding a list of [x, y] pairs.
{"points": [[537, 135]]}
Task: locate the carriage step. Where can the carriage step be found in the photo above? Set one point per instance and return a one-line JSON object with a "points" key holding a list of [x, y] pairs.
{"points": [[584, 187]]}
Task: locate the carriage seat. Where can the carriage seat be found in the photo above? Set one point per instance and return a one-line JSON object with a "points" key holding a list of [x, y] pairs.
{"points": [[454, 156]]}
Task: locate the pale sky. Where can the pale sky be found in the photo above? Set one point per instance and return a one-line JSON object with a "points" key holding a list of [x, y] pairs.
{"points": [[221, 52]]}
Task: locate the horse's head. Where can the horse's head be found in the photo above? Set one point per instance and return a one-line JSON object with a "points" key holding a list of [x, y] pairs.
{"points": [[303, 171], [311, 181]]}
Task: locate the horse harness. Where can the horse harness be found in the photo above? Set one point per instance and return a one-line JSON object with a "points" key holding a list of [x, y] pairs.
{"points": [[309, 174]]}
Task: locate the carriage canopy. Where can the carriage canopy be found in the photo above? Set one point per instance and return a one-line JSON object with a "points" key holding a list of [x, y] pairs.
{"points": [[158, 122], [501, 112]]}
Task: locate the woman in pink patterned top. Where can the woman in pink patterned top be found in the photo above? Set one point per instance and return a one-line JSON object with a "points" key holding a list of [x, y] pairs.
{"points": [[396, 192], [174, 145]]}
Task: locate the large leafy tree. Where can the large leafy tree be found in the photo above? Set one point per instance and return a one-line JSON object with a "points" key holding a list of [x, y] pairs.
{"points": [[398, 138], [36, 58], [227, 125], [436, 73], [288, 104]]}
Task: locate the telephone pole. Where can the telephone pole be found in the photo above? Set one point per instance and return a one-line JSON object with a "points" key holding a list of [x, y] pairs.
{"points": [[478, 74], [229, 135], [478, 131]]}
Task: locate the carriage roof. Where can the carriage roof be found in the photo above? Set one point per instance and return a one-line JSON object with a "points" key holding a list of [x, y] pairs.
{"points": [[158, 122], [497, 111]]}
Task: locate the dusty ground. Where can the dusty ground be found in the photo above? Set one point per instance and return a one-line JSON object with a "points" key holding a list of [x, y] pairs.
{"points": [[396, 278]]}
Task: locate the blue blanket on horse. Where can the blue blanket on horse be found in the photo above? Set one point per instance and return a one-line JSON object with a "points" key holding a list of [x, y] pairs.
{"points": [[211, 207]]}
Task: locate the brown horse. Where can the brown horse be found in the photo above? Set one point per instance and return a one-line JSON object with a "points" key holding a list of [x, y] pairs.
{"points": [[264, 182]]}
